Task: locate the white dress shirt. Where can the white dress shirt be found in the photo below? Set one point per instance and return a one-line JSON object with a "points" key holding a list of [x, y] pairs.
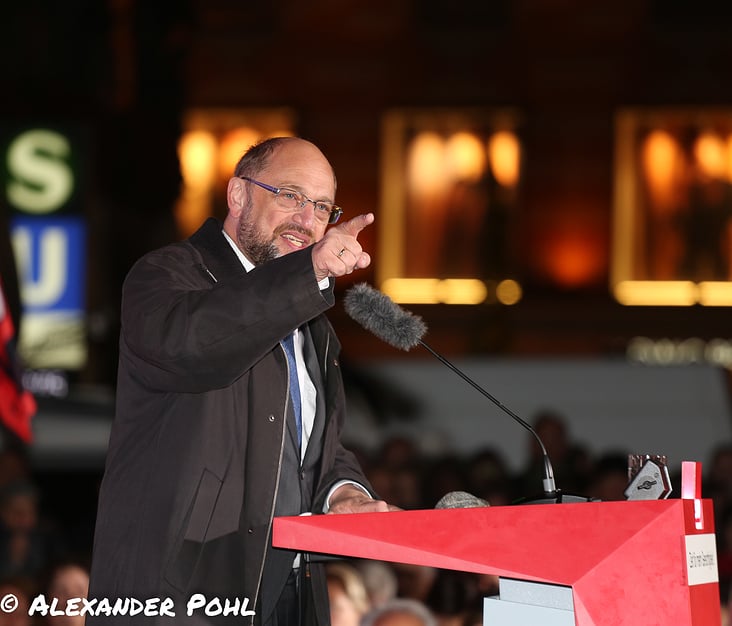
{"points": [[308, 393]]}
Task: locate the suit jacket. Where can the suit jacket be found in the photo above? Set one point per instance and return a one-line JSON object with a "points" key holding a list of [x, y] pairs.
{"points": [[188, 496]]}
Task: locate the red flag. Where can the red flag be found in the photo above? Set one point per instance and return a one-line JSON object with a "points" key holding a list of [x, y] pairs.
{"points": [[17, 406]]}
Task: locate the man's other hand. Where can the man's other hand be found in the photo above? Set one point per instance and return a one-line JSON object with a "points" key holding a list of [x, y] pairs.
{"points": [[350, 499]]}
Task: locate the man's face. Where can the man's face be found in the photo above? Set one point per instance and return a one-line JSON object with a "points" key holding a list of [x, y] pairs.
{"points": [[266, 230]]}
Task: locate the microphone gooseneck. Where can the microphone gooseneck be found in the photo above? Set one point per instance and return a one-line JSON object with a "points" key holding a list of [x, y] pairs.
{"points": [[550, 487], [379, 314]]}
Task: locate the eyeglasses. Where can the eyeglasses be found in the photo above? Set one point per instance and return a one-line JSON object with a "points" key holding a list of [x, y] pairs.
{"points": [[325, 212]]}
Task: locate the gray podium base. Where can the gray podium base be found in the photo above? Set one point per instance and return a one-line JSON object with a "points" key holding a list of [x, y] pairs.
{"points": [[524, 603]]}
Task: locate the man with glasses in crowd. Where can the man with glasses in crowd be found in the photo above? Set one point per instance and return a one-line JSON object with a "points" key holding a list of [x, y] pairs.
{"points": [[230, 404]]}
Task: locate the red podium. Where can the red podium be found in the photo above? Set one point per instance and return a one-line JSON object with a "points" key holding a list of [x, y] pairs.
{"points": [[627, 563]]}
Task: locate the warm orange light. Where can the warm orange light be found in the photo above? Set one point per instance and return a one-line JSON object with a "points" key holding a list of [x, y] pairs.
{"points": [[233, 145], [572, 255], [673, 293], [710, 154], [715, 293], [426, 164], [412, 290], [508, 292], [464, 157], [662, 160], [461, 291], [656, 292], [729, 158], [237, 141], [504, 154], [435, 290], [196, 152], [571, 267]]}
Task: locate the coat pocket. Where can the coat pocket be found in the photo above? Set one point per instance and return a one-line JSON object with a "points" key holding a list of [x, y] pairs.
{"points": [[188, 544]]}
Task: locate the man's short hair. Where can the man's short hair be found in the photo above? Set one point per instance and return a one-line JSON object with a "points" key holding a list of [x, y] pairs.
{"points": [[400, 605]]}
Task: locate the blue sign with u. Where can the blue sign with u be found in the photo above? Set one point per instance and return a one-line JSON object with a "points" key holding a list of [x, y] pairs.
{"points": [[51, 258]]}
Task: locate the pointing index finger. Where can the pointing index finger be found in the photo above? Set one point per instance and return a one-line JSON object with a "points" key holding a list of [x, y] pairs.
{"points": [[355, 225]]}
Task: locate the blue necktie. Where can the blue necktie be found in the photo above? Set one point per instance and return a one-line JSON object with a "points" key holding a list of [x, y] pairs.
{"points": [[289, 346]]}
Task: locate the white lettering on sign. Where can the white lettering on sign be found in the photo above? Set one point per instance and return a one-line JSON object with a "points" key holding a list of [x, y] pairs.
{"points": [[41, 179], [46, 287], [701, 559]]}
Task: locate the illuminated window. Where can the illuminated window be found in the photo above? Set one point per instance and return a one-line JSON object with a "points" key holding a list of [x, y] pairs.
{"points": [[673, 208], [449, 200]]}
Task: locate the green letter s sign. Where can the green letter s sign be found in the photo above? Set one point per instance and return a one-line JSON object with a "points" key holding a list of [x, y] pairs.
{"points": [[40, 177]]}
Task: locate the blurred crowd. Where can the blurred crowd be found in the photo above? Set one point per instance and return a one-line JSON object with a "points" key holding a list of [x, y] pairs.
{"points": [[40, 556], [35, 557], [404, 477]]}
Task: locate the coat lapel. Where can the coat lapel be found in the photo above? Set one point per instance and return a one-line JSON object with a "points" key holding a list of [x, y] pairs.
{"points": [[219, 258]]}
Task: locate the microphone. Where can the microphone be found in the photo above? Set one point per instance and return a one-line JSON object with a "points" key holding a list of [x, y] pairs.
{"points": [[460, 500], [379, 314]]}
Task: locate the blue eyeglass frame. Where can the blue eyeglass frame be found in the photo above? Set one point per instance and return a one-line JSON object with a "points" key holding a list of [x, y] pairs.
{"points": [[333, 216]]}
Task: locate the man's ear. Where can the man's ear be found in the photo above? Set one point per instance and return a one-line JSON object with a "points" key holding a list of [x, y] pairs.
{"points": [[236, 196]]}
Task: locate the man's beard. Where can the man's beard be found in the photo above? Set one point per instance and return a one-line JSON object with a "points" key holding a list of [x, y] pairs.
{"points": [[252, 242]]}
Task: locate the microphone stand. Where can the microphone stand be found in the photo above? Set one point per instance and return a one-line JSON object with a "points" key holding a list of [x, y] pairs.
{"points": [[550, 495]]}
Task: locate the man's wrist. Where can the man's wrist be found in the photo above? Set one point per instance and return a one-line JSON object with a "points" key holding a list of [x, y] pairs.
{"points": [[338, 485]]}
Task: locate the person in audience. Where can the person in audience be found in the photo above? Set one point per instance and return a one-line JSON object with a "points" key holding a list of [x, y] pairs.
{"points": [[347, 594], [442, 475], [453, 595], [414, 581], [400, 612], [26, 545], [398, 451], [718, 476], [488, 477], [380, 581], [68, 581], [572, 464], [22, 589], [610, 477], [14, 467], [406, 487]]}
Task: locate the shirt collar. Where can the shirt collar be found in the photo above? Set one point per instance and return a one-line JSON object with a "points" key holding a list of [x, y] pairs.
{"points": [[248, 265]]}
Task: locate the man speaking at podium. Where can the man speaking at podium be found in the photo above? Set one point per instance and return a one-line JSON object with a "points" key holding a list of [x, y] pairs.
{"points": [[230, 405]]}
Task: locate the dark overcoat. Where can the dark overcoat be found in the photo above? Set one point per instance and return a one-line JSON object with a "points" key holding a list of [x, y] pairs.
{"points": [[188, 495]]}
